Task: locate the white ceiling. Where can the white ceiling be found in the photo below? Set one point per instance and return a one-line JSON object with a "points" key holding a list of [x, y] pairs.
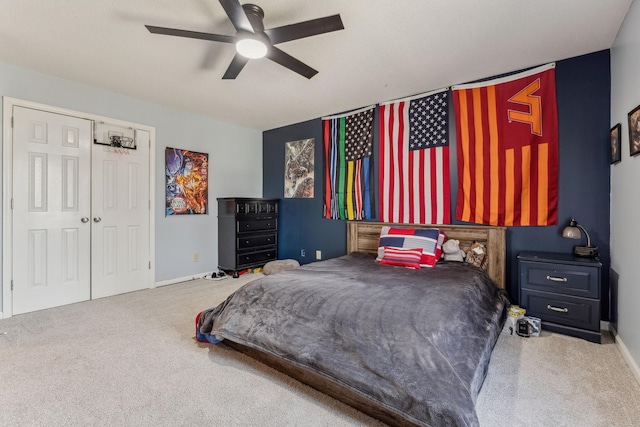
{"points": [[388, 49]]}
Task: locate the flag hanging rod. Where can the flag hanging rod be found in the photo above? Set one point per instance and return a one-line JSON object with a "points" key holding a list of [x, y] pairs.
{"points": [[412, 97], [350, 113], [505, 79]]}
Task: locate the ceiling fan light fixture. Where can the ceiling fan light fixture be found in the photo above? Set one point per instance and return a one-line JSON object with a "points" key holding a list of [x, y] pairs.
{"points": [[251, 48]]}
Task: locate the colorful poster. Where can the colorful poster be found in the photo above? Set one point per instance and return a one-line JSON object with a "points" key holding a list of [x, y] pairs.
{"points": [[298, 170], [187, 180]]}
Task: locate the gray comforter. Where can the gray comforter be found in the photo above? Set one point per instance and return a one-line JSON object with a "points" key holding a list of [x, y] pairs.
{"points": [[415, 341]]}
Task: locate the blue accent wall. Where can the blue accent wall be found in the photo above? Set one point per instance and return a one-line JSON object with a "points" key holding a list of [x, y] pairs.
{"points": [[583, 87], [300, 222]]}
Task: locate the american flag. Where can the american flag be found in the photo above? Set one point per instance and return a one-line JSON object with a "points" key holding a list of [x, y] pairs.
{"points": [[348, 146], [414, 160]]}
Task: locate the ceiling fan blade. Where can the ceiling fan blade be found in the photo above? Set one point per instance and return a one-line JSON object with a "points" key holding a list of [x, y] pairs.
{"points": [[236, 15], [237, 64], [191, 34], [288, 61], [305, 29]]}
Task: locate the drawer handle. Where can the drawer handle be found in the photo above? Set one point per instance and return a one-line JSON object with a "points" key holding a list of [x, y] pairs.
{"points": [[558, 309], [557, 279]]}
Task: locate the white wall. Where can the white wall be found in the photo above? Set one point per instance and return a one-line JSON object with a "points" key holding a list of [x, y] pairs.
{"points": [[625, 176], [235, 155]]}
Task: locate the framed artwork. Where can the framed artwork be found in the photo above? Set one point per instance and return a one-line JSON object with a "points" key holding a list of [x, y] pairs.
{"points": [[187, 182], [615, 144], [634, 131], [299, 169]]}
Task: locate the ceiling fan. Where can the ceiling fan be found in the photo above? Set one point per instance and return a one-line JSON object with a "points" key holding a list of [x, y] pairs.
{"points": [[252, 40]]}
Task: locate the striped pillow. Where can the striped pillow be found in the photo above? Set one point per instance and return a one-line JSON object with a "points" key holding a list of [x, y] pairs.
{"points": [[402, 257], [429, 239]]}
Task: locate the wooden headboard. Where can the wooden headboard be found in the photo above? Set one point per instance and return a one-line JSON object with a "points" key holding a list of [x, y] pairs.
{"points": [[363, 237]]}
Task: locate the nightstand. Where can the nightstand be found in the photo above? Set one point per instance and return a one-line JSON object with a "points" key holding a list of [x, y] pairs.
{"points": [[563, 290]]}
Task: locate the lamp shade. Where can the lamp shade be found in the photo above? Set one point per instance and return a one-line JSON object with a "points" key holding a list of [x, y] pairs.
{"points": [[571, 231]]}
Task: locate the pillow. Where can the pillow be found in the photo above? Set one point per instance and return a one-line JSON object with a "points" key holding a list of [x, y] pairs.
{"points": [[429, 239], [402, 257]]}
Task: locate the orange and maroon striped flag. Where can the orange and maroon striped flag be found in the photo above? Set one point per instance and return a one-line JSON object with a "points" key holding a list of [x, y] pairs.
{"points": [[507, 148]]}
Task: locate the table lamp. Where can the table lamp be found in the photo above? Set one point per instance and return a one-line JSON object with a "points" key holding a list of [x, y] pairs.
{"points": [[572, 231]]}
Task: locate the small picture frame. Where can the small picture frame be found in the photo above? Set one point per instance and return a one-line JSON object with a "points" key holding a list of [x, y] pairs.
{"points": [[634, 131], [615, 144]]}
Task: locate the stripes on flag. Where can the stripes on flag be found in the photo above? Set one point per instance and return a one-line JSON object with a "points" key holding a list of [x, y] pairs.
{"points": [[507, 142], [348, 146], [414, 183]]}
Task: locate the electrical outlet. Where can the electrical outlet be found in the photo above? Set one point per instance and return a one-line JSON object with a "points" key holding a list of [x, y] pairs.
{"points": [[318, 254], [196, 257], [302, 253]]}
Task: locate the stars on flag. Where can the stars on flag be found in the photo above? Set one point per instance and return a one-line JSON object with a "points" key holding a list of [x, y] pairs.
{"points": [[428, 122], [359, 135]]}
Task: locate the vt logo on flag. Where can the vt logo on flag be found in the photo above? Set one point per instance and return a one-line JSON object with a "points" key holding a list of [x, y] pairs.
{"points": [[507, 142], [414, 160]]}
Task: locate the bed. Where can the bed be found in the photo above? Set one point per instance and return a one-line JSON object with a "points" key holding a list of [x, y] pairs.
{"points": [[408, 347]]}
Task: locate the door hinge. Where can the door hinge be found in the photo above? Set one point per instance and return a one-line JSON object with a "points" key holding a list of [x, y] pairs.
{"points": [[11, 284], [149, 265], [11, 122], [12, 204]]}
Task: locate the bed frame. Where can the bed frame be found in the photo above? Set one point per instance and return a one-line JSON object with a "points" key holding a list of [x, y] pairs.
{"points": [[363, 236]]}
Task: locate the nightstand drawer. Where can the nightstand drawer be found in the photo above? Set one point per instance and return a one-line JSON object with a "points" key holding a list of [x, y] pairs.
{"points": [[562, 309], [566, 279]]}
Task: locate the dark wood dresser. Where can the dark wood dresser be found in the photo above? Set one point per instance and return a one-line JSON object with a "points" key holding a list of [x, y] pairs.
{"points": [[563, 290], [247, 233]]}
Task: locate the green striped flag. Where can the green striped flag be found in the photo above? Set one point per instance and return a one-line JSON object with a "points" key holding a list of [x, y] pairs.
{"points": [[348, 146]]}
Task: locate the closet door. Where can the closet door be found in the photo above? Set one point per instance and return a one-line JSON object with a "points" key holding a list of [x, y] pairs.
{"points": [[51, 199], [120, 213]]}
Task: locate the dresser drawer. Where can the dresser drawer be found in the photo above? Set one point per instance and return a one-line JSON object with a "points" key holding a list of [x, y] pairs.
{"points": [[267, 224], [255, 258], [582, 281], [257, 241], [563, 309]]}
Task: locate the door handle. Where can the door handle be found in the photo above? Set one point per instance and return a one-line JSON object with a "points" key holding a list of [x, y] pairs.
{"points": [[84, 220], [97, 219]]}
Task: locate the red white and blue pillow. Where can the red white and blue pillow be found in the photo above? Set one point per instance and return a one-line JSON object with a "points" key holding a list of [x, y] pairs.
{"points": [[402, 257], [428, 239]]}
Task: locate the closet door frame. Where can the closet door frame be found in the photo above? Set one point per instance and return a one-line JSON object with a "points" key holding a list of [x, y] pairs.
{"points": [[7, 188]]}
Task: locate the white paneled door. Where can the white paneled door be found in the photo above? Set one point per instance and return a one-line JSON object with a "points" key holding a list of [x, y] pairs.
{"points": [[81, 210], [52, 206], [120, 214]]}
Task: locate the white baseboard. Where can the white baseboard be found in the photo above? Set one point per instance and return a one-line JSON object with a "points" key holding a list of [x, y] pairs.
{"points": [[182, 279], [626, 355]]}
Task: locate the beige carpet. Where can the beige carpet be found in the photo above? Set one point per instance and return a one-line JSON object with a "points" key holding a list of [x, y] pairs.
{"points": [[132, 360]]}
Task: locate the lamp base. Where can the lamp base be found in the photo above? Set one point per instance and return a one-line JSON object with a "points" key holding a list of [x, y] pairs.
{"points": [[586, 251]]}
